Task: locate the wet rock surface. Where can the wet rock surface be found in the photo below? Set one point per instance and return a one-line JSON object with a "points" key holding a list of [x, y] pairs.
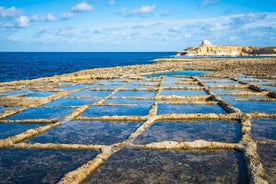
{"points": [[175, 121]]}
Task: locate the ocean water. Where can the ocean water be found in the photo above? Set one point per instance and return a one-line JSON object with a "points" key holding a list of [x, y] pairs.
{"points": [[31, 65]]}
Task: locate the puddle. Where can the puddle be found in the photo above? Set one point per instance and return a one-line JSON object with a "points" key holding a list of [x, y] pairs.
{"points": [[96, 111], [40, 94], [71, 102], [218, 131], [18, 92], [11, 129], [267, 156], [189, 109], [92, 132], [183, 92], [144, 94], [90, 94], [183, 72], [149, 166], [42, 113], [128, 101], [40, 166], [263, 129]]}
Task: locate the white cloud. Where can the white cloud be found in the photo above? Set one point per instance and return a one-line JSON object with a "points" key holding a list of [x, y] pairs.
{"points": [[23, 21], [208, 2], [50, 17], [111, 2], [9, 12], [82, 7], [144, 10]]}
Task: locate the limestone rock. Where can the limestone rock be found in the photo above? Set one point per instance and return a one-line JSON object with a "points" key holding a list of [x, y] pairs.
{"points": [[208, 49]]}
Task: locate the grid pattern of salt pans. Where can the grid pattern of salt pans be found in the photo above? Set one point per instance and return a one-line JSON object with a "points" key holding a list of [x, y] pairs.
{"points": [[164, 129]]}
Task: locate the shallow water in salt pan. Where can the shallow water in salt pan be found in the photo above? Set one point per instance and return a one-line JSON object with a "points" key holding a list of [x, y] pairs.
{"points": [[218, 131], [149, 166], [88, 132], [39, 166]]}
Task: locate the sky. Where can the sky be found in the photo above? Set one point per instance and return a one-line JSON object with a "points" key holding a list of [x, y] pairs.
{"points": [[134, 25]]}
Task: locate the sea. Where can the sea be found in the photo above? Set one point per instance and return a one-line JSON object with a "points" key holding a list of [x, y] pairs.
{"points": [[32, 65]]}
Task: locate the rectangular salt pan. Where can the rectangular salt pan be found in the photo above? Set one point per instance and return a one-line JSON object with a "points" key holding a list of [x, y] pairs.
{"points": [[71, 102], [151, 166], [40, 166], [267, 157], [189, 109], [183, 93], [11, 129], [263, 129], [18, 92], [218, 131], [96, 111], [128, 101], [144, 94], [181, 73], [77, 86], [90, 94], [253, 106], [95, 132], [42, 113], [40, 94]]}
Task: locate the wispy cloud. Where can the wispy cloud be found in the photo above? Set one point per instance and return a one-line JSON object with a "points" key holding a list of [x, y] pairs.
{"points": [[82, 7], [208, 2], [144, 10], [66, 16], [9, 12], [66, 31]]}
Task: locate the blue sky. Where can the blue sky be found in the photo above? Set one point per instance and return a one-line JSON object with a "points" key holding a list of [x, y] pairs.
{"points": [[134, 25]]}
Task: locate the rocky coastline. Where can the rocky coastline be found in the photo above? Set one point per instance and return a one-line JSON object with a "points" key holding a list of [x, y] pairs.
{"points": [[208, 49]]}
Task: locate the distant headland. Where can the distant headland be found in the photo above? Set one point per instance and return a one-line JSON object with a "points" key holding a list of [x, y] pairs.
{"points": [[208, 49]]}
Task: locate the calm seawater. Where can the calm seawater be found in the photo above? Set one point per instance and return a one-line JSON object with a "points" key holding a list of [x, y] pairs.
{"points": [[31, 65]]}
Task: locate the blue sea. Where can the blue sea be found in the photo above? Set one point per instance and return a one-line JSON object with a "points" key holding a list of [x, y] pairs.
{"points": [[31, 65]]}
